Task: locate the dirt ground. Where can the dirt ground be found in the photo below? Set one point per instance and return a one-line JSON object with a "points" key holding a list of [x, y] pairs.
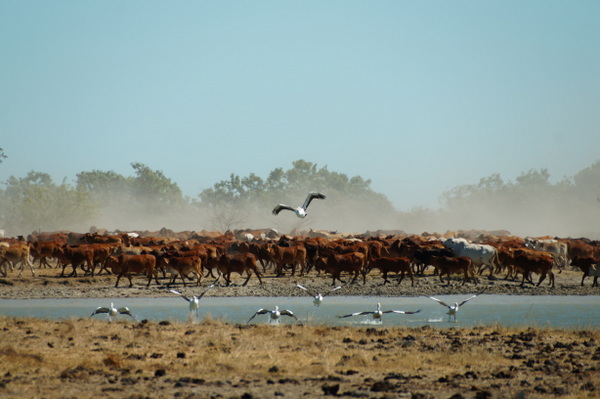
{"points": [[80, 358], [48, 284]]}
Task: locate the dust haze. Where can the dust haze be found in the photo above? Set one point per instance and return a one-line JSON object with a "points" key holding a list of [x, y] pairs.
{"points": [[529, 206]]}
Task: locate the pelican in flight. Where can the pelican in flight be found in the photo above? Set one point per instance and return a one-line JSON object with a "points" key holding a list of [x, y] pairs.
{"points": [[317, 296], [377, 314], [194, 300], [301, 210], [453, 309], [112, 311], [274, 314]]}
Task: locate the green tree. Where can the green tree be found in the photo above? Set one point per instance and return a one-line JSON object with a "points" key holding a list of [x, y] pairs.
{"points": [[35, 202], [347, 198], [2, 155]]}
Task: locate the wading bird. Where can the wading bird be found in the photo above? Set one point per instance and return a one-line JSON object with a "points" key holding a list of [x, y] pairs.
{"points": [[453, 309], [317, 296], [194, 300], [377, 314], [113, 312], [301, 210], [274, 314]]}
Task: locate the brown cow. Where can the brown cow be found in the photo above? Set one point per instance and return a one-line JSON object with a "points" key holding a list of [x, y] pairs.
{"points": [[13, 253], [75, 255], [541, 263], [335, 264], [446, 265], [238, 263], [397, 265], [135, 264], [42, 250], [295, 256], [182, 266]]}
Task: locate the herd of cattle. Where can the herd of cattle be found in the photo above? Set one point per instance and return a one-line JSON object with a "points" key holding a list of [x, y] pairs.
{"points": [[191, 256]]}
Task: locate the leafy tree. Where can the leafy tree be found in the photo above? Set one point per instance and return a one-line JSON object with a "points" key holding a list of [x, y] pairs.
{"points": [[348, 199], [2, 155], [35, 202]]}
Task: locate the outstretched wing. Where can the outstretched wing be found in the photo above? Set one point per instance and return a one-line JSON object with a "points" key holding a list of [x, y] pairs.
{"points": [[209, 287], [355, 314], [332, 290], [181, 295], [402, 311], [306, 289], [440, 302], [310, 197], [259, 311], [125, 310], [281, 207], [100, 310], [471, 297], [288, 313]]}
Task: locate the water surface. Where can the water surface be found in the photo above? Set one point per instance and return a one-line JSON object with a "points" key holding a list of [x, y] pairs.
{"points": [[573, 312]]}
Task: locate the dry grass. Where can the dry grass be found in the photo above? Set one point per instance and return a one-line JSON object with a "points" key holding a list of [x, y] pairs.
{"points": [[87, 357]]}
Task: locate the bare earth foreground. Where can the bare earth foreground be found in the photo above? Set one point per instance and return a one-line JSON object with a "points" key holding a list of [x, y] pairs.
{"points": [[81, 358]]}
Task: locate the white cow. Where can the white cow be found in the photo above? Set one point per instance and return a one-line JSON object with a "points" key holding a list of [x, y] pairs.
{"points": [[483, 256], [555, 247]]}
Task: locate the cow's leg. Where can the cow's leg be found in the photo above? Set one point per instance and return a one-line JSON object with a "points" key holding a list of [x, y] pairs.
{"points": [[542, 278], [249, 273]]}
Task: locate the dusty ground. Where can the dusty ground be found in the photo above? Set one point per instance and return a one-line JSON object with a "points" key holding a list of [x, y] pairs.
{"points": [[48, 284], [82, 358]]}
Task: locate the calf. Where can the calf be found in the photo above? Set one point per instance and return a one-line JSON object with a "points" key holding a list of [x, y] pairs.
{"points": [[446, 265], [387, 265]]}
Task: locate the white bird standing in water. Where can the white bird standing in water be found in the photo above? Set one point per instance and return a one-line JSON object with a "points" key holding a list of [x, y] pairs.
{"points": [[274, 314], [194, 300], [301, 210], [377, 314], [453, 309], [317, 296], [113, 312]]}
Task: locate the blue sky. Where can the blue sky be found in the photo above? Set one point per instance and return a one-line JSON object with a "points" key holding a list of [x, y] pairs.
{"points": [[418, 96]]}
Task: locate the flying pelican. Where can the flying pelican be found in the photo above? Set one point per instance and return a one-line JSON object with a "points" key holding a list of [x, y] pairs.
{"points": [[301, 210], [194, 300], [377, 314], [112, 311], [274, 314], [453, 309], [317, 296]]}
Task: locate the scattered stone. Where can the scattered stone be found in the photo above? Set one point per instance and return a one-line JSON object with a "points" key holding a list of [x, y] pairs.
{"points": [[330, 389]]}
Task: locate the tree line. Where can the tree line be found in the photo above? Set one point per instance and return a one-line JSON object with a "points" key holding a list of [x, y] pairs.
{"points": [[149, 200]]}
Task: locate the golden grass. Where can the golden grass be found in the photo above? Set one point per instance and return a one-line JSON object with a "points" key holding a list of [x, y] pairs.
{"points": [[230, 359]]}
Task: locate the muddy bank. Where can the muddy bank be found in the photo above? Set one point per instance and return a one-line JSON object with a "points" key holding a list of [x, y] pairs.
{"points": [[48, 284]]}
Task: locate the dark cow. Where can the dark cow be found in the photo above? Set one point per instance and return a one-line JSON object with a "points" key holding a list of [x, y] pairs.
{"points": [[238, 263], [540, 263], [446, 265], [353, 263], [387, 265], [588, 266]]}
